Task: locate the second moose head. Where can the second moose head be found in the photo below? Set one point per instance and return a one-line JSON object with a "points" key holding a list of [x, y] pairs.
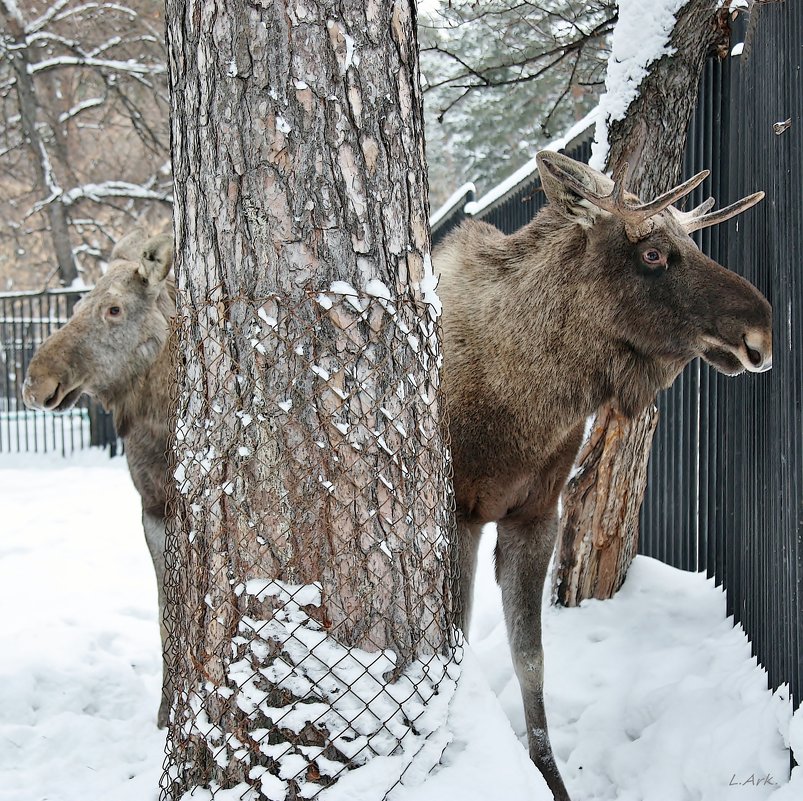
{"points": [[655, 290]]}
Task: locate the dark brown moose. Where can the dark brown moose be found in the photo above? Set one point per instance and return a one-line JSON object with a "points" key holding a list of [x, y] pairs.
{"points": [[600, 298], [113, 348]]}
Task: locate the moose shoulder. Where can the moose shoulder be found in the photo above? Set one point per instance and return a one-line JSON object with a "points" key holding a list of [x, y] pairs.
{"points": [[600, 298], [114, 348]]}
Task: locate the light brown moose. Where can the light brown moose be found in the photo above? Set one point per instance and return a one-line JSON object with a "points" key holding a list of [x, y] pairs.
{"points": [[113, 348], [600, 298]]}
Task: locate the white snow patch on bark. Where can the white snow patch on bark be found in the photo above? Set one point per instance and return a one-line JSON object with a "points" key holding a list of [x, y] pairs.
{"points": [[429, 285]]}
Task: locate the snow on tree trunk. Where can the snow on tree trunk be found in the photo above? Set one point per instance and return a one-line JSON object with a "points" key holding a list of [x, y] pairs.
{"points": [[310, 553], [599, 526]]}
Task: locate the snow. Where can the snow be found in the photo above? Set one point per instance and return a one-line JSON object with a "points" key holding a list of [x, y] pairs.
{"points": [[377, 289], [652, 696], [429, 286], [737, 49], [641, 36]]}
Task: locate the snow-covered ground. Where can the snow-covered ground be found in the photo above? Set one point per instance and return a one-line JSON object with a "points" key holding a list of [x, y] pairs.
{"points": [[651, 696]]}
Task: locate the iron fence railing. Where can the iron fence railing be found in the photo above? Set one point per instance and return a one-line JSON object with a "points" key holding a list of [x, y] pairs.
{"points": [[725, 487]]}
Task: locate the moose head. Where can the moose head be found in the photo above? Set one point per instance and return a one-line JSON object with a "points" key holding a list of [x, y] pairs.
{"points": [[116, 331], [659, 294]]}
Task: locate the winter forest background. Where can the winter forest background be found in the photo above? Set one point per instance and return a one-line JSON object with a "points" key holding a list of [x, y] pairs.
{"points": [[84, 134]]}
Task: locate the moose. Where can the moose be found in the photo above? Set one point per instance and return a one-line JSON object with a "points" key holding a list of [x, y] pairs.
{"points": [[114, 349], [600, 298]]}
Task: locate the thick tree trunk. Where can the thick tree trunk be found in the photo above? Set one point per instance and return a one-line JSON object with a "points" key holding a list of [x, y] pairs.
{"points": [[311, 573], [599, 526]]}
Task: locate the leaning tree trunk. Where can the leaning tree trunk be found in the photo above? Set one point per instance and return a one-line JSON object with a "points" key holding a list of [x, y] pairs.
{"points": [[310, 549], [600, 522]]}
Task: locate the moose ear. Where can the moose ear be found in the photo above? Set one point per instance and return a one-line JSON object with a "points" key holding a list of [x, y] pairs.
{"points": [[156, 258], [555, 169], [130, 246]]}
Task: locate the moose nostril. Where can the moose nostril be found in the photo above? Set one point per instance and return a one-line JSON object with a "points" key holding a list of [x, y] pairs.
{"points": [[50, 401], [754, 356], [758, 350]]}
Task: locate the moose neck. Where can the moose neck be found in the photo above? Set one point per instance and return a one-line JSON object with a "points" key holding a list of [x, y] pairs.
{"points": [[146, 400], [141, 411]]}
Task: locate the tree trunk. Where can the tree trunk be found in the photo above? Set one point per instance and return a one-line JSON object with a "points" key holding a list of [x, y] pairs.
{"points": [[598, 535], [310, 576], [46, 180]]}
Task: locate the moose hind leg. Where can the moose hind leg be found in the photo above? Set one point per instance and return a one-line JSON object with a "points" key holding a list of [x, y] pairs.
{"points": [[155, 537], [522, 559]]}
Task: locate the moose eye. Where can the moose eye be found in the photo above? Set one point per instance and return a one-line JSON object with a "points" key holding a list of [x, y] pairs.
{"points": [[653, 258]]}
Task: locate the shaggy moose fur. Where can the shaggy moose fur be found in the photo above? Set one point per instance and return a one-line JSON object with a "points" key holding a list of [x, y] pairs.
{"points": [[540, 329], [113, 348]]}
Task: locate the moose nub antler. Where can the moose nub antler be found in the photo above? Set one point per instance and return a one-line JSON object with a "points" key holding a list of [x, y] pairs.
{"points": [[635, 215], [698, 217]]}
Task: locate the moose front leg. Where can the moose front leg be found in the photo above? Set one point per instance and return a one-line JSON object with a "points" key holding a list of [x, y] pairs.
{"points": [[523, 551]]}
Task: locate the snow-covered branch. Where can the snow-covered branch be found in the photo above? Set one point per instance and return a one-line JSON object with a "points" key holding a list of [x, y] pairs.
{"points": [[130, 66], [114, 189], [54, 13], [50, 13], [11, 10], [92, 102]]}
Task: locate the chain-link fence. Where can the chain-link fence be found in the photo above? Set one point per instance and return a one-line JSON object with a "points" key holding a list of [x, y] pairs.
{"points": [[310, 571]]}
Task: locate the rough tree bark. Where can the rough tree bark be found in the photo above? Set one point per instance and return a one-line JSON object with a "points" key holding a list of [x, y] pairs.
{"points": [[313, 516], [599, 526]]}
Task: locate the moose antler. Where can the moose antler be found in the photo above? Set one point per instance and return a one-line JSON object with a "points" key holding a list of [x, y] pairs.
{"points": [[635, 215], [698, 217]]}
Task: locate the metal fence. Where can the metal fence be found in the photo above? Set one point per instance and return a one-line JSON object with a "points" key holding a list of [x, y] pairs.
{"points": [[26, 320], [725, 487]]}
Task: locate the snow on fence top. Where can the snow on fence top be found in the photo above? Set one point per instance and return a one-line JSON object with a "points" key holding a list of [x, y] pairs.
{"points": [[456, 197], [577, 132], [530, 168]]}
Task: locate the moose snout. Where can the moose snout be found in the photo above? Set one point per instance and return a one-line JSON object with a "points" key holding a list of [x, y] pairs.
{"points": [[41, 391]]}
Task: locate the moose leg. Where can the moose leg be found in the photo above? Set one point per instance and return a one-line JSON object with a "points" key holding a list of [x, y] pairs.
{"points": [[468, 542], [155, 537], [523, 551]]}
